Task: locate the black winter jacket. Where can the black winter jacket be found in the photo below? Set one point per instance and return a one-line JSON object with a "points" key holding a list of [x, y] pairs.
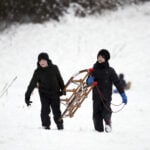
{"points": [[106, 77], [48, 79]]}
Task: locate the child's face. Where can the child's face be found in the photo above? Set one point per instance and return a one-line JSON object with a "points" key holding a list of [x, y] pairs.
{"points": [[43, 63], [101, 59]]}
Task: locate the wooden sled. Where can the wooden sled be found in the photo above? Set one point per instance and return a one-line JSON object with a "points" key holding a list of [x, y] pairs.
{"points": [[78, 90]]}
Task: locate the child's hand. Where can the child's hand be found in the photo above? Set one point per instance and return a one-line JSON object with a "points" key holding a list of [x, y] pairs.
{"points": [[124, 98], [28, 102]]}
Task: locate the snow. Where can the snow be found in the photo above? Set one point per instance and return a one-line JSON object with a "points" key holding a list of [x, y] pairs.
{"points": [[73, 44]]}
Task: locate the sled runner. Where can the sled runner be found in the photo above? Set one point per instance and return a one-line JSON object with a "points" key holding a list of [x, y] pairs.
{"points": [[76, 92]]}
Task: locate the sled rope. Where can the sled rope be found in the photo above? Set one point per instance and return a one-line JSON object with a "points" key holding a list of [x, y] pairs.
{"points": [[103, 100]]}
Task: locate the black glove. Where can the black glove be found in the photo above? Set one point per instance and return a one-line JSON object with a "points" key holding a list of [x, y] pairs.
{"points": [[27, 101], [62, 93]]}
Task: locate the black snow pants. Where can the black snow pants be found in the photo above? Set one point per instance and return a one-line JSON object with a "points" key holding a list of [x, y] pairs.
{"points": [[101, 113], [49, 103]]}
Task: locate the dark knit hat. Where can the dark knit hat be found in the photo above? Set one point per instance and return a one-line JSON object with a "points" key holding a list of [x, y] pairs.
{"points": [[43, 56], [104, 53]]}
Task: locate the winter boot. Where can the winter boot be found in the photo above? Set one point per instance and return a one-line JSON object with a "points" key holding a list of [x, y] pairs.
{"points": [[108, 127], [46, 127], [60, 126]]}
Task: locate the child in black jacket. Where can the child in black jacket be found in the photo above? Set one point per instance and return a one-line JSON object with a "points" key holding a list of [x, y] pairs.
{"points": [[50, 85], [102, 94]]}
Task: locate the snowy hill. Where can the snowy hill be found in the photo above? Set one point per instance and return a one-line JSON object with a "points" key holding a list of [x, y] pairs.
{"points": [[73, 45]]}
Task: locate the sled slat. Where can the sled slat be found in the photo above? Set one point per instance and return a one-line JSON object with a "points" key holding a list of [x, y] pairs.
{"points": [[79, 93]]}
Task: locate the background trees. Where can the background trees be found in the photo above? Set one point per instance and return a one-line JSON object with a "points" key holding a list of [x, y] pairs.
{"points": [[41, 10]]}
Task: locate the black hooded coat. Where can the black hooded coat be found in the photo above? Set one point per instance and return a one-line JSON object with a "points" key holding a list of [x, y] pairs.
{"points": [[48, 80], [106, 77]]}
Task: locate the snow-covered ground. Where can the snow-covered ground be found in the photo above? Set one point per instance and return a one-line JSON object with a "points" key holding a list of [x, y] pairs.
{"points": [[73, 45]]}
